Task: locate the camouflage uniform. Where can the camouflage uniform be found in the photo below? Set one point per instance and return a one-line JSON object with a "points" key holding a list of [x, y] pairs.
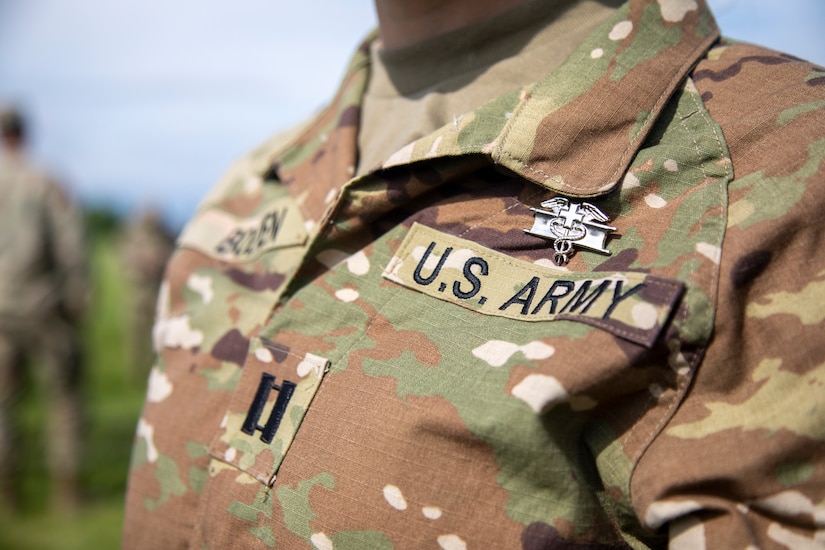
{"points": [[391, 361], [43, 291], [146, 245]]}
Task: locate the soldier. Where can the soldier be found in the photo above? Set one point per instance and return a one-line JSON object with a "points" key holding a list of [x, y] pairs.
{"points": [[43, 293], [146, 246], [542, 275]]}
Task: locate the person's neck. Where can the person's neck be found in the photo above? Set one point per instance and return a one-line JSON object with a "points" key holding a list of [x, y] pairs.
{"points": [[407, 22]]}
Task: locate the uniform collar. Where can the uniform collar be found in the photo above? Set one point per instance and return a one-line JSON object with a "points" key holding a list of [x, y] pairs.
{"points": [[574, 132]]}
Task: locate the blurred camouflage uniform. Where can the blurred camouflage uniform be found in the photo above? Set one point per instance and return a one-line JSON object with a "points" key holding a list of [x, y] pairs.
{"points": [[391, 361], [43, 292], [145, 248]]}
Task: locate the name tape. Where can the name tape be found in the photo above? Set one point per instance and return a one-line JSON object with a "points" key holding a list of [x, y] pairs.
{"points": [[234, 239]]}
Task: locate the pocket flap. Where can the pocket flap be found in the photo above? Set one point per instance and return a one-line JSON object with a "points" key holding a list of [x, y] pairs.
{"points": [[267, 408]]}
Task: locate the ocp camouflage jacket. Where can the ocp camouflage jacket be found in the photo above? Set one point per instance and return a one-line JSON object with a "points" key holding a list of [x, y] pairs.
{"points": [[427, 356]]}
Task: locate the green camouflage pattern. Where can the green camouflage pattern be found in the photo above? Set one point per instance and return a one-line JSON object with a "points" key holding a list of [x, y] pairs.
{"points": [[43, 296], [42, 251], [681, 408]]}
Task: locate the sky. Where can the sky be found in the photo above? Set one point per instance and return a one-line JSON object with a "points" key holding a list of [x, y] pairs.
{"points": [[145, 103]]}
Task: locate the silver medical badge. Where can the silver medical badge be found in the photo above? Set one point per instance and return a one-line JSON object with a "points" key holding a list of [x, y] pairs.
{"points": [[568, 224]]}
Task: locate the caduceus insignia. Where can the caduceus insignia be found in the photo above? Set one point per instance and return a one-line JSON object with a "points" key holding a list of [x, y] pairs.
{"points": [[570, 224]]}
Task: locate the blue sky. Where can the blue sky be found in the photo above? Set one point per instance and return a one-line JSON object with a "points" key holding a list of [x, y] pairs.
{"points": [[146, 102]]}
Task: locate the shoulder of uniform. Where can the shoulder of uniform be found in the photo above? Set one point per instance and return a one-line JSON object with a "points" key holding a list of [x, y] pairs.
{"points": [[767, 103], [742, 68], [247, 173]]}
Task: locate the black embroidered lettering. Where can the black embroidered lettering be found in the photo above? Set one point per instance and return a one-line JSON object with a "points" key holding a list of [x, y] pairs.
{"points": [[256, 409], [235, 241], [581, 298], [471, 277], [277, 219], [417, 273], [552, 297], [618, 297], [250, 241], [264, 229], [530, 288], [231, 242]]}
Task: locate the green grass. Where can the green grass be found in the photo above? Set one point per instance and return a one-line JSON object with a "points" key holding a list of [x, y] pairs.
{"points": [[113, 397], [95, 526]]}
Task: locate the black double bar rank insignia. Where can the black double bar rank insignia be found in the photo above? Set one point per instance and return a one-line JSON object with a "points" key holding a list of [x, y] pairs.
{"points": [[570, 224], [256, 409]]}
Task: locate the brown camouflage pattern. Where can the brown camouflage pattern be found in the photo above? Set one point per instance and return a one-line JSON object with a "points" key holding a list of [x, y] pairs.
{"points": [[426, 423]]}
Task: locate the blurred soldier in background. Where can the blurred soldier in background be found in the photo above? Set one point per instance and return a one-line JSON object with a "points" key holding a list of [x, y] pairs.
{"points": [[146, 247], [43, 293]]}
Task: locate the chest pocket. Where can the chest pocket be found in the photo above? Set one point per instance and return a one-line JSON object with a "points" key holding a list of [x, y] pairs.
{"points": [[267, 407], [236, 255]]}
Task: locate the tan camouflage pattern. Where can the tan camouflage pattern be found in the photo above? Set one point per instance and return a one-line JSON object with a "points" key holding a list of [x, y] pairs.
{"points": [[145, 245], [427, 423], [43, 295]]}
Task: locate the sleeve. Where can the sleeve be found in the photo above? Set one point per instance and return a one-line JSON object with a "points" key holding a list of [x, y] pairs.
{"points": [[741, 464]]}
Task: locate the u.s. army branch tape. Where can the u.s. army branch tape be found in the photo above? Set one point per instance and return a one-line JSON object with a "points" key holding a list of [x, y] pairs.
{"points": [[632, 305]]}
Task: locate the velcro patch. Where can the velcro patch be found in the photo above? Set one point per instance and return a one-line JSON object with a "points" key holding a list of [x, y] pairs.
{"points": [[632, 305], [235, 239], [276, 388]]}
